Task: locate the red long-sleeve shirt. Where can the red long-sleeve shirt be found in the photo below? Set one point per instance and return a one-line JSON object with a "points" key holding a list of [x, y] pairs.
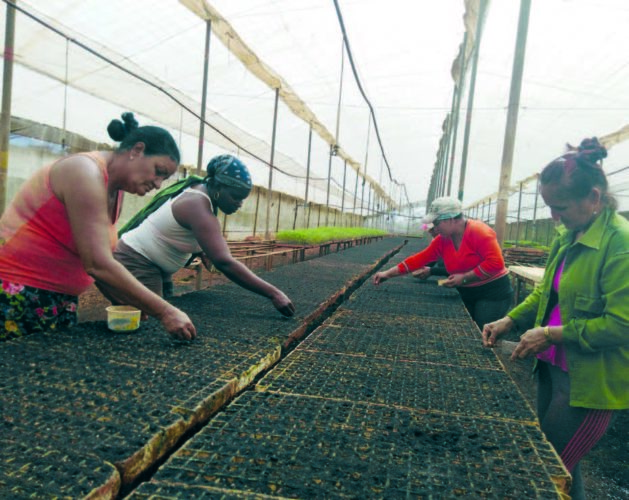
{"points": [[479, 251]]}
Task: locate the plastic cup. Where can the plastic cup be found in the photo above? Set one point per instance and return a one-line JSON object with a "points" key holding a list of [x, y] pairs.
{"points": [[123, 318]]}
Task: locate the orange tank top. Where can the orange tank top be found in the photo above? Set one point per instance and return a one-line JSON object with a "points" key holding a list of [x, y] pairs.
{"points": [[37, 247]]}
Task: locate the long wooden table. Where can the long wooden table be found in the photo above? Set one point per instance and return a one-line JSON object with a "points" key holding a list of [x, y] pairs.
{"points": [[524, 275]]}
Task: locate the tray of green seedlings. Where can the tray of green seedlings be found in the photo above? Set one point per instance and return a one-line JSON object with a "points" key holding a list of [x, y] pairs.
{"points": [[422, 386], [295, 447]]}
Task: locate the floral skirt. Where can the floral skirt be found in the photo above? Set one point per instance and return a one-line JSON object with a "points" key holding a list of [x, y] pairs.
{"points": [[25, 310]]}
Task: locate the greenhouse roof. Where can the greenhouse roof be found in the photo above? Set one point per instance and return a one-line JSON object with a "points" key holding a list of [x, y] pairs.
{"points": [[81, 63]]}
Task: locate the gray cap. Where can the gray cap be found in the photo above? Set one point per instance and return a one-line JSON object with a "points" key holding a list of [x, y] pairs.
{"points": [[443, 208]]}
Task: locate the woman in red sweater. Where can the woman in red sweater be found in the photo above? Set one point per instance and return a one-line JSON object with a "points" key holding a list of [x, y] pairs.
{"points": [[472, 258]]}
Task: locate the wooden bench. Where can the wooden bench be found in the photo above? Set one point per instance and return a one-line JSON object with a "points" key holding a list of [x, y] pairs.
{"points": [[524, 275]]}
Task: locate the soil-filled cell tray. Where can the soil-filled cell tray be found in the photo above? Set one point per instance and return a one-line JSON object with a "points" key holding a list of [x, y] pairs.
{"points": [[49, 469], [412, 344], [292, 447], [420, 386], [414, 305], [390, 324], [108, 394]]}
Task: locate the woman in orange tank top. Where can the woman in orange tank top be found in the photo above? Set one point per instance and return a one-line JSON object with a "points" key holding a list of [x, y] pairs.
{"points": [[57, 235]]}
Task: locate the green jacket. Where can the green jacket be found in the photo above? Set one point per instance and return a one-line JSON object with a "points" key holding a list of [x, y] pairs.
{"points": [[594, 303]]}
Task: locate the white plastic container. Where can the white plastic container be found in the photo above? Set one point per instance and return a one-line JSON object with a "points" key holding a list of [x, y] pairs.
{"points": [[123, 318]]}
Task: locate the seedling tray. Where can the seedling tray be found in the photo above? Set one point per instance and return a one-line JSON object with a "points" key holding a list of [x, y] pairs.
{"points": [[75, 400], [438, 345], [296, 447], [421, 386]]}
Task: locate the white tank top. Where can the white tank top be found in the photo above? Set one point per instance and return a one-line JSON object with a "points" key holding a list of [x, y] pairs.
{"points": [[162, 240]]}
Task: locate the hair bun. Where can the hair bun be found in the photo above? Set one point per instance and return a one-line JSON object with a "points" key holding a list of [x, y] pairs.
{"points": [[118, 130], [591, 150]]}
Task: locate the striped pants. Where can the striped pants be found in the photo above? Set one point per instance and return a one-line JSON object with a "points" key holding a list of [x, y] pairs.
{"points": [[571, 430]]}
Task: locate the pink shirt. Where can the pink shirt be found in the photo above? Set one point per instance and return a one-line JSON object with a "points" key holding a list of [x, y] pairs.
{"points": [[555, 354], [37, 247]]}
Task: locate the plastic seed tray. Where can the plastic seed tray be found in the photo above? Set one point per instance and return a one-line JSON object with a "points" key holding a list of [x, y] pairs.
{"points": [[391, 324], [76, 399], [438, 307], [421, 386], [293, 447], [404, 344]]}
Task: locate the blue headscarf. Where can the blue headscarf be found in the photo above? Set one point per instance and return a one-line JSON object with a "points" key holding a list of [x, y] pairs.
{"points": [[229, 171]]}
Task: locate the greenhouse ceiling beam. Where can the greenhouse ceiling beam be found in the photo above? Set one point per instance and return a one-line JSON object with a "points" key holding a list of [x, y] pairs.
{"points": [[236, 45]]}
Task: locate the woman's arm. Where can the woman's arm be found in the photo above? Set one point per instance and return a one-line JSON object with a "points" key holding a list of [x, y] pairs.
{"points": [[79, 185], [193, 212]]}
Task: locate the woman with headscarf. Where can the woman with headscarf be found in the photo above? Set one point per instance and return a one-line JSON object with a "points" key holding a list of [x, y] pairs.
{"points": [[182, 220]]}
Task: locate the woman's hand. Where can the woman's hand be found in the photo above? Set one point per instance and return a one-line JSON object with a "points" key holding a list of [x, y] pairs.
{"points": [[533, 341], [492, 331], [178, 324], [455, 280], [282, 303], [423, 273]]}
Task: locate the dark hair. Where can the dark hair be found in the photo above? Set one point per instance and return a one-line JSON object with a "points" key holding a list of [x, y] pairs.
{"points": [[157, 141], [579, 171]]}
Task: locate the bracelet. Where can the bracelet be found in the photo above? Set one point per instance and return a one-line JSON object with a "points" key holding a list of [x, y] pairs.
{"points": [[547, 334]]}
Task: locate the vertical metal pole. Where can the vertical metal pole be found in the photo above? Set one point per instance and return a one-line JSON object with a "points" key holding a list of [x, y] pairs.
{"points": [[269, 193], [255, 217], [355, 196], [7, 88], [65, 97], [369, 203], [308, 168], [512, 120], [517, 232], [534, 236], [344, 179], [279, 208], [327, 193], [362, 196], [334, 147], [446, 152], [206, 63], [470, 98], [457, 107]]}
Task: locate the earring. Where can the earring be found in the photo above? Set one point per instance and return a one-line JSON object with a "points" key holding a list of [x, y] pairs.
{"points": [[216, 196]]}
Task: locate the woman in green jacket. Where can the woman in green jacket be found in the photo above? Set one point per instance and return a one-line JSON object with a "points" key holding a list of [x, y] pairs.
{"points": [[576, 321]]}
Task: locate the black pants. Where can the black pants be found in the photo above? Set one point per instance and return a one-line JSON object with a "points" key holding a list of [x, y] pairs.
{"points": [[485, 311], [489, 302]]}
